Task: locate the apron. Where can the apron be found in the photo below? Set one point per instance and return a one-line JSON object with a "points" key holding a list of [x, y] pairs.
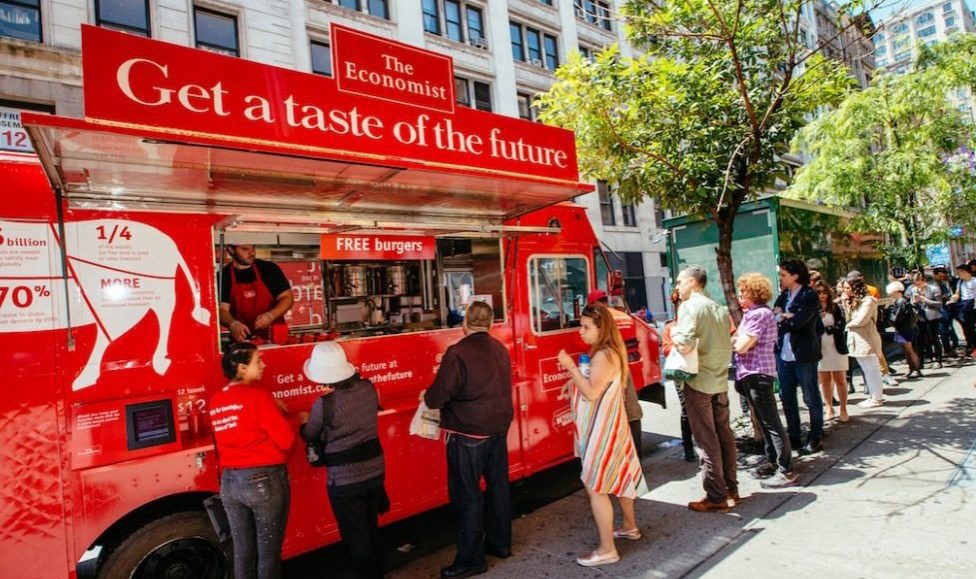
{"points": [[250, 300]]}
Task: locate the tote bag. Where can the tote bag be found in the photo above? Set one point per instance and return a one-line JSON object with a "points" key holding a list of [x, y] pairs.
{"points": [[426, 423], [681, 367]]}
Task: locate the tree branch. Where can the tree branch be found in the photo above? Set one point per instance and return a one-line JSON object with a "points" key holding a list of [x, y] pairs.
{"points": [[678, 172]]}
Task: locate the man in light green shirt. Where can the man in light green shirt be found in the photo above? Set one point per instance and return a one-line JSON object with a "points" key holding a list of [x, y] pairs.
{"points": [[704, 323]]}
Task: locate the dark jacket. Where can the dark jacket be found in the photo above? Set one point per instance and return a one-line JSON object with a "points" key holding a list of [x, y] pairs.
{"points": [[473, 387], [802, 326], [837, 330], [903, 316]]}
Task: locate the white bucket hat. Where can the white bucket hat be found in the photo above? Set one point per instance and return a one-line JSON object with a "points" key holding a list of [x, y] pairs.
{"points": [[328, 364]]}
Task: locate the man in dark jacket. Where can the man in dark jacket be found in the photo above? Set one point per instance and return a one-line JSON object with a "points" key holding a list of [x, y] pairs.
{"points": [[473, 390], [797, 312]]}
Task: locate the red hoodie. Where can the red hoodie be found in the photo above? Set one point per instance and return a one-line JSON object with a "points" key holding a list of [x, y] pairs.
{"points": [[249, 428]]}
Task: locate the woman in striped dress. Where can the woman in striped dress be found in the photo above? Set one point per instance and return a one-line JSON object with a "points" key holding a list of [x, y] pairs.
{"points": [[603, 440]]}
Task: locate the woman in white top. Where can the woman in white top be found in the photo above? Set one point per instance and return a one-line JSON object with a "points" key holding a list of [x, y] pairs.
{"points": [[833, 350], [863, 339], [960, 305]]}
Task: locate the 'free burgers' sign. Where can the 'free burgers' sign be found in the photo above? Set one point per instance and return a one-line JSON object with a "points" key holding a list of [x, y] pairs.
{"points": [[392, 103]]}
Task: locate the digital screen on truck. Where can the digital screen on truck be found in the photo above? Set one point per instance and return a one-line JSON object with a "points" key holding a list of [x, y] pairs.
{"points": [[150, 424]]}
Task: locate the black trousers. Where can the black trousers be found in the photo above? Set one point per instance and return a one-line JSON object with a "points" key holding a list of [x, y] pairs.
{"points": [[483, 520], [358, 515], [758, 388]]}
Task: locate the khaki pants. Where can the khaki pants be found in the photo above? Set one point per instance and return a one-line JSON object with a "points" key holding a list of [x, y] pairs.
{"points": [[709, 418]]}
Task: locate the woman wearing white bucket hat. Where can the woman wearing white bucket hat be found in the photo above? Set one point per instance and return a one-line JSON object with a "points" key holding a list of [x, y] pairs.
{"points": [[344, 419]]}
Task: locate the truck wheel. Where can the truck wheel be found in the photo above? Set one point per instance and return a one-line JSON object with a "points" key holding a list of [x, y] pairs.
{"points": [[178, 546]]}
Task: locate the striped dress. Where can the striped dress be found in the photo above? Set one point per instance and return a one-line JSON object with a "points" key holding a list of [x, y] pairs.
{"points": [[604, 444]]}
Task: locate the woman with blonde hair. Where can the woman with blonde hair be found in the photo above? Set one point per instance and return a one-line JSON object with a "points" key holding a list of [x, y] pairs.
{"points": [[603, 441]]}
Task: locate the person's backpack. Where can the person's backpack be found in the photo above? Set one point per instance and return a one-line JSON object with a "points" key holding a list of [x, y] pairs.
{"points": [[903, 315]]}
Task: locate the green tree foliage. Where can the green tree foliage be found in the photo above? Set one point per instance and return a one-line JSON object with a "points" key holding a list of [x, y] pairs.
{"points": [[698, 119], [899, 150]]}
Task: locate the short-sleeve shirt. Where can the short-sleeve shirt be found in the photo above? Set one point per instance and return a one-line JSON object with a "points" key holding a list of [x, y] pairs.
{"points": [[967, 289], [758, 321], [271, 275]]}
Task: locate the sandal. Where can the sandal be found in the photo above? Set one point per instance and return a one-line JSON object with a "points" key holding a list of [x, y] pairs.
{"points": [[631, 535], [595, 560]]}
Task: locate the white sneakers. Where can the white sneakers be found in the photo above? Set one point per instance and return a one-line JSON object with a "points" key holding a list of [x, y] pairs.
{"points": [[889, 381], [595, 560], [871, 403]]}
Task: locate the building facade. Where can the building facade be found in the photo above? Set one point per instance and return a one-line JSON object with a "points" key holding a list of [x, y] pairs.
{"points": [[898, 38], [504, 51]]}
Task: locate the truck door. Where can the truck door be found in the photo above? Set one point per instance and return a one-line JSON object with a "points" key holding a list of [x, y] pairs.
{"points": [[557, 286]]}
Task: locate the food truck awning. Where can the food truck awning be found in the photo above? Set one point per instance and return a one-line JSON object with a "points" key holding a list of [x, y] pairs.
{"points": [[268, 184]]}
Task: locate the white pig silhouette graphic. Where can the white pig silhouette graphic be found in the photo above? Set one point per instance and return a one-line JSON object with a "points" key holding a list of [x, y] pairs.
{"points": [[118, 271]]}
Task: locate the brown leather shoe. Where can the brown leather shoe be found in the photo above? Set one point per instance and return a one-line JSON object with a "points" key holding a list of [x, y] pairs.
{"points": [[707, 506], [734, 498]]}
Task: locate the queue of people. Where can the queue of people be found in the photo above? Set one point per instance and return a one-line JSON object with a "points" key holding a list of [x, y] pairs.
{"points": [[803, 341]]}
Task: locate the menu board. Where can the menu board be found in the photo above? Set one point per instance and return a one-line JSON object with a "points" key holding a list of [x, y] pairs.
{"points": [[306, 285]]}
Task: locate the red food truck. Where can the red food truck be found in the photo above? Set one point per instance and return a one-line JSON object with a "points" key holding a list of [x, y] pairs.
{"points": [[388, 208]]}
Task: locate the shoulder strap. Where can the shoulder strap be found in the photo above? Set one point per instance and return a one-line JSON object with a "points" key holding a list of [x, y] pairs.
{"points": [[328, 411]]}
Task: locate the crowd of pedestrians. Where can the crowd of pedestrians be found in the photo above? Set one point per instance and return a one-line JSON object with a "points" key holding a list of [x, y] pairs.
{"points": [[798, 345]]}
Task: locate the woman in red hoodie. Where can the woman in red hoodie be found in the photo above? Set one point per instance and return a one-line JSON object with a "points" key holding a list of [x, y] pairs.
{"points": [[253, 439]]}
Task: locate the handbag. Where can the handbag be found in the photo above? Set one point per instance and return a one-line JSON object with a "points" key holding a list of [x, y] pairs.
{"points": [[681, 367], [315, 448], [426, 423], [218, 517]]}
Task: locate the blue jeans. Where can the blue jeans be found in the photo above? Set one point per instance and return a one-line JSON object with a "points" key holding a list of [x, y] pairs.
{"points": [[804, 375], [256, 501], [482, 520]]}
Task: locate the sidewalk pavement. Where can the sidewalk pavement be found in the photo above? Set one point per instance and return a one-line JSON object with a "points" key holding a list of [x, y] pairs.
{"points": [[893, 495]]}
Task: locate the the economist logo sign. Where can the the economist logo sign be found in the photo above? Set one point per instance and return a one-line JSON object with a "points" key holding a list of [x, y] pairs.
{"points": [[375, 67], [357, 247]]}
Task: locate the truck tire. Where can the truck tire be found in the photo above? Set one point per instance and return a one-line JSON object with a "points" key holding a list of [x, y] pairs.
{"points": [[178, 546]]}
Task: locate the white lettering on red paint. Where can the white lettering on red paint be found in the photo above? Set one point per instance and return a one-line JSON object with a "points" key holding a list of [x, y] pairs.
{"points": [[386, 80], [192, 97]]}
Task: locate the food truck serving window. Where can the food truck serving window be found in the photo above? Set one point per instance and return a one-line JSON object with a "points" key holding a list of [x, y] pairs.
{"points": [[149, 424], [558, 292]]}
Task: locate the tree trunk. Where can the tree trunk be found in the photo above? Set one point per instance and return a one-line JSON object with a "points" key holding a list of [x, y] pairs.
{"points": [[723, 258]]}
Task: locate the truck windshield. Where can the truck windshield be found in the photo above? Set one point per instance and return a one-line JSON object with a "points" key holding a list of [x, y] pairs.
{"points": [[558, 291]]}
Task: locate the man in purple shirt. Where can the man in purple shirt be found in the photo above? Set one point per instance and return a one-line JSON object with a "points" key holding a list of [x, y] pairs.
{"points": [[754, 344]]}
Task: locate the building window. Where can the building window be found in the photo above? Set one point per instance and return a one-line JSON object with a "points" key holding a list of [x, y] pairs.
{"points": [[900, 28], [658, 215], [321, 58], [881, 51], [215, 31], [546, 2], [595, 12], [606, 203], [901, 42], [585, 52], [879, 38], [924, 19], [903, 55], [630, 214], [927, 31], [552, 55], [432, 19], [125, 15], [515, 31], [947, 7], [476, 27], [533, 44], [21, 19], [379, 9], [456, 14], [452, 21], [880, 62], [464, 89], [526, 47], [950, 21], [350, 4], [527, 110]]}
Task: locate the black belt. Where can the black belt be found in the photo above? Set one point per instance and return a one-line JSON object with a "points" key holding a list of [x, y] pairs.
{"points": [[363, 451]]}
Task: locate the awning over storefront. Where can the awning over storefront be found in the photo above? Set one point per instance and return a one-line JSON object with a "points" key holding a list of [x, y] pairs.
{"points": [[267, 184]]}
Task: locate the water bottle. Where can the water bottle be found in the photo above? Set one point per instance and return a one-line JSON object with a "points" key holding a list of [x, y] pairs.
{"points": [[584, 365]]}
